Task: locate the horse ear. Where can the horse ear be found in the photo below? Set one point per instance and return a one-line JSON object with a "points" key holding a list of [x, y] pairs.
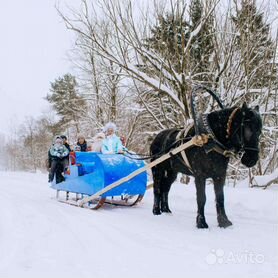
{"points": [[257, 108], [244, 106]]}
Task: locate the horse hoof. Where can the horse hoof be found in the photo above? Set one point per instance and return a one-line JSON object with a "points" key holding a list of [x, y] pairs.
{"points": [[166, 209], [201, 222], [156, 211], [224, 222], [202, 225]]}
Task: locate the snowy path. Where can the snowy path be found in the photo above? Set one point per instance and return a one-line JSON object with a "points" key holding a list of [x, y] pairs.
{"points": [[40, 237]]}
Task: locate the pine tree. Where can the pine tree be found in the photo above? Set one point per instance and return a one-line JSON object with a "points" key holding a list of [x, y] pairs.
{"points": [[202, 45], [191, 60], [254, 44], [169, 38], [67, 102]]}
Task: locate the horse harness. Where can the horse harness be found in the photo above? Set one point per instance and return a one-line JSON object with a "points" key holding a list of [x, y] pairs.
{"points": [[206, 139], [183, 134], [213, 143]]}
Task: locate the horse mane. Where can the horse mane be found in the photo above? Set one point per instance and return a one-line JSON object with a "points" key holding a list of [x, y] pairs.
{"points": [[230, 121]]}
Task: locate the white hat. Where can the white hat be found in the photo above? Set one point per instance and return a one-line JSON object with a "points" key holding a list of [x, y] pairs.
{"points": [[110, 125]]}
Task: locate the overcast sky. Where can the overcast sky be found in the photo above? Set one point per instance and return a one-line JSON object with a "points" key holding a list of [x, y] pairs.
{"points": [[34, 44]]}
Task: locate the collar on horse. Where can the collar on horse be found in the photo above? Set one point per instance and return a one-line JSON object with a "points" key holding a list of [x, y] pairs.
{"points": [[202, 125], [214, 144]]}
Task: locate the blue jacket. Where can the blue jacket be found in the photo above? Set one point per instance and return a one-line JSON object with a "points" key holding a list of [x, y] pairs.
{"points": [[111, 144]]}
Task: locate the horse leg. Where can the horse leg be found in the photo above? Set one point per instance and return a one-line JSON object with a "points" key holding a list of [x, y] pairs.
{"points": [[200, 184], [157, 177], [222, 218], [168, 178]]}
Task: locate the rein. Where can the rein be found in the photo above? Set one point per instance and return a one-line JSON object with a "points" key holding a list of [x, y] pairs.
{"points": [[163, 151]]}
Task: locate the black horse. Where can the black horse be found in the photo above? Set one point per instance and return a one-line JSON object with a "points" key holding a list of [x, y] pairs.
{"points": [[233, 130]]}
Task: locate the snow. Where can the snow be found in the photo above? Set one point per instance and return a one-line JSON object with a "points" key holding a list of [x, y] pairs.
{"points": [[266, 179], [40, 237]]}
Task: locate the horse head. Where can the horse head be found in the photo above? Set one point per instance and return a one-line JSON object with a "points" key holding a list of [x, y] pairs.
{"points": [[247, 128]]}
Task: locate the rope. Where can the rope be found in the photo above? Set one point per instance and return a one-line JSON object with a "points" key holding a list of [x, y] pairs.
{"points": [[163, 151]]}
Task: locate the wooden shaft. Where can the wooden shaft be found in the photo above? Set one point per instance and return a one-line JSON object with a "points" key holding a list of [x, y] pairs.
{"points": [[164, 157]]}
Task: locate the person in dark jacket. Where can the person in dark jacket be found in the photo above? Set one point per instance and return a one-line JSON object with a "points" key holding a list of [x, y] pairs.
{"points": [[65, 142], [81, 143], [59, 161]]}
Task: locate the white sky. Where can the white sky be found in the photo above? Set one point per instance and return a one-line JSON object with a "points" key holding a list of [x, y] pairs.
{"points": [[34, 44]]}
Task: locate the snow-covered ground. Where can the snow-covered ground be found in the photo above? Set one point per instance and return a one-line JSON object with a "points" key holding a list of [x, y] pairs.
{"points": [[40, 237]]}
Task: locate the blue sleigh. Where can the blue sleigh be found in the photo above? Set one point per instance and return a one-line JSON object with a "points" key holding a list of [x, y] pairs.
{"points": [[90, 173]]}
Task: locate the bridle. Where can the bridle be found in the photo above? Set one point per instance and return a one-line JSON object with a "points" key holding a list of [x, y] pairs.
{"points": [[243, 147]]}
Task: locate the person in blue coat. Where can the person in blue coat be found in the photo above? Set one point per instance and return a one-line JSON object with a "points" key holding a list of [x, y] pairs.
{"points": [[111, 144]]}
